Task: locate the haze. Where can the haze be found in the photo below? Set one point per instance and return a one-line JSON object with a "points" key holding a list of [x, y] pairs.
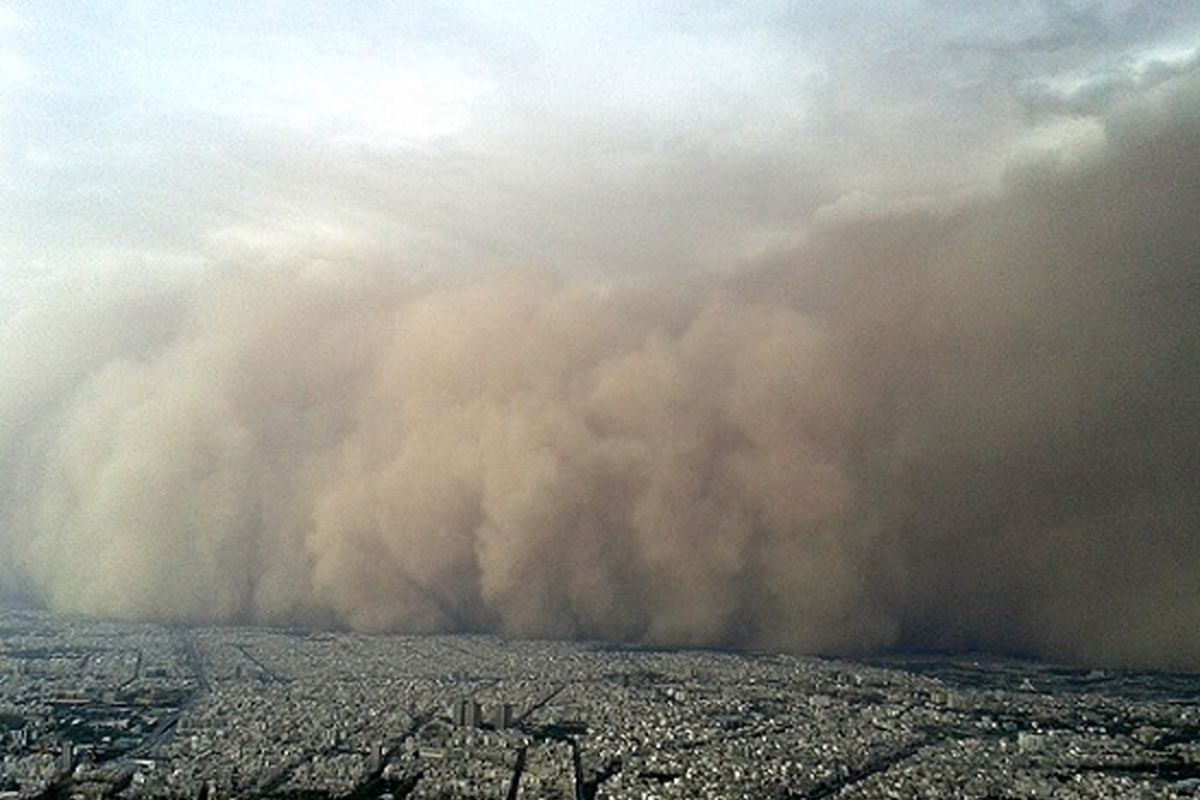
{"points": [[821, 327]]}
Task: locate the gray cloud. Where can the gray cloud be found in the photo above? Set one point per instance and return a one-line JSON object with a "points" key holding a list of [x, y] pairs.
{"points": [[603, 140], [942, 425]]}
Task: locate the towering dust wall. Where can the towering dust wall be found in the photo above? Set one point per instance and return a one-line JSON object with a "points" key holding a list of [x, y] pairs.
{"points": [[967, 427]]}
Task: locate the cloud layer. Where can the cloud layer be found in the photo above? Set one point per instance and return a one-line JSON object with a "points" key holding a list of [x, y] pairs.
{"points": [[945, 424], [614, 139]]}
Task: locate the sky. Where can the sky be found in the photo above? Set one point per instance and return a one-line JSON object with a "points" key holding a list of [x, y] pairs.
{"points": [[603, 138], [824, 327]]}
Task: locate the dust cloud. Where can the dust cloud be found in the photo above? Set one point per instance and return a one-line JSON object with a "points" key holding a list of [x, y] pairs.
{"points": [[967, 425]]}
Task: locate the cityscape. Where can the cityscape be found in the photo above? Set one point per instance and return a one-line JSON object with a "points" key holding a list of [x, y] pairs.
{"points": [[461, 400], [95, 709]]}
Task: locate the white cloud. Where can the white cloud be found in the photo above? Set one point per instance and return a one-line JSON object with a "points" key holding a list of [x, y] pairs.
{"points": [[611, 138], [348, 99]]}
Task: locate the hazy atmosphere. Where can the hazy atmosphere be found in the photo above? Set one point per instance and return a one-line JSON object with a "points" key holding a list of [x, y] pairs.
{"points": [[823, 327]]}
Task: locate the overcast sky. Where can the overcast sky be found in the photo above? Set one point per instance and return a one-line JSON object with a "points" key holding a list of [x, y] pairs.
{"points": [[604, 138]]}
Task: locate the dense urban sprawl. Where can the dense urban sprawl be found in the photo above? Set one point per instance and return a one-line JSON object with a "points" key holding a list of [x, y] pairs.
{"points": [[103, 709]]}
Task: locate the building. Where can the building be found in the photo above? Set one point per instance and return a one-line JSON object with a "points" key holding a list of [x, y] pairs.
{"points": [[467, 713]]}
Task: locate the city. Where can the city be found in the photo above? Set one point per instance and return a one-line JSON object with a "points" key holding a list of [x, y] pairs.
{"points": [[104, 709]]}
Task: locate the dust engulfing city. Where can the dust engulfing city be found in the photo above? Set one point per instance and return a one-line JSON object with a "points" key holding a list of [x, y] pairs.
{"points": [[788, 400]]}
